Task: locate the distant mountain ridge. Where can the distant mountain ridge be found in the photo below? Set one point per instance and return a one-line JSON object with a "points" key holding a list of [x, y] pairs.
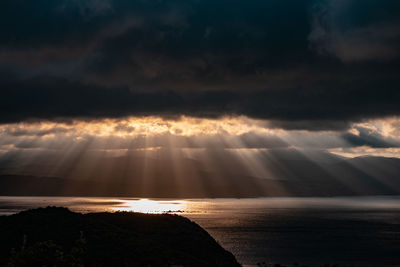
{"points": [[284, 173]]}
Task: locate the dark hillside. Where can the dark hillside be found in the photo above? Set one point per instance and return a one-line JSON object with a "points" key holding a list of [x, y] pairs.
{"points": [[58, 237]]}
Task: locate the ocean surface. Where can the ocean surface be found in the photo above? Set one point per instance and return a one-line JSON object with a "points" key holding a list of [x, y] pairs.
{"points": [[350, 231]]}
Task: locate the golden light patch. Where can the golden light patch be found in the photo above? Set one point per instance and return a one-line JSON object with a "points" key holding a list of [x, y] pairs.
{"points": [[138, 126], [366, 151], [388, 127], [151, 206]]}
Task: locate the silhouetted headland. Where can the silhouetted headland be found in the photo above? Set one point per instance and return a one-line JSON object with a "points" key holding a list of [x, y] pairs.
{"points": [[58, 237]]}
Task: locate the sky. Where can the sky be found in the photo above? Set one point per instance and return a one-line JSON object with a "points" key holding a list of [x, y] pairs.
{"points": [[115, 77]]}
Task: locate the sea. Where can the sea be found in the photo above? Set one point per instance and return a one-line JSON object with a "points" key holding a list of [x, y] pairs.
{"points": [[291, 231]]}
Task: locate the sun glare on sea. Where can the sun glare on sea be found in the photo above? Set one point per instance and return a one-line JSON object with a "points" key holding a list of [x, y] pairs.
{"points": [[151, 206]]}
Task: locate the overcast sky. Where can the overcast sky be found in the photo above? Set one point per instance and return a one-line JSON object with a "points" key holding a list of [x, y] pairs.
{"points": [[315, 74]]}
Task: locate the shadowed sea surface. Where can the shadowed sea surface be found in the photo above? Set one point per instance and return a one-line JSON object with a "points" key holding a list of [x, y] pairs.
{"points": [[350, 231]]}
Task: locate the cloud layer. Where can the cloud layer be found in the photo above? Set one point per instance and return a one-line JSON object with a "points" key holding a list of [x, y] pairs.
{"points": [[313, 64]]}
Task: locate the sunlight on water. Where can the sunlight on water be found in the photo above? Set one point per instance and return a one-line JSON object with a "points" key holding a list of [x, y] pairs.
{"points": [[267, 229], [10, 205], [151, 206]]}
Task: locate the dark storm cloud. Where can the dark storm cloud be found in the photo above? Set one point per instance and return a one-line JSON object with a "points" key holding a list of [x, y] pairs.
{"points": [[303, 64], [357, 30], [370, 138], [49, 98]]}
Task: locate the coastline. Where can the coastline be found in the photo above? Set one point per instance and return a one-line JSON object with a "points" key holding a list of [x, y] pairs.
{"points": [[58, 237]]}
